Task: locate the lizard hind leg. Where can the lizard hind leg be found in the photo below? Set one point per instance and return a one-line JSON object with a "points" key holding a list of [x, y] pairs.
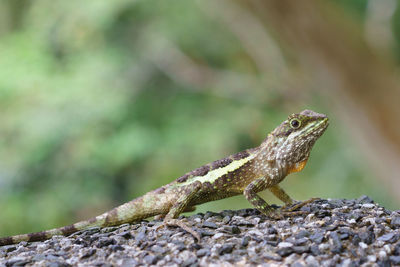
{"points": [[182, 205]]}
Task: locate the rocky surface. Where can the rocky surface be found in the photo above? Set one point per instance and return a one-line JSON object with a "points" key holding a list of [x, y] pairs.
{"points": [[333, 232]]}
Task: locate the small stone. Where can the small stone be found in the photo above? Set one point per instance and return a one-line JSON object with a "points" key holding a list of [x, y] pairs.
{"points": [[270, 256], [285, 251], [17, 261], [323, 246], [312, 262], [300, 241], [210, 214], [235, 230], [397, 250], [55, 264], [382, 255], [395, 260], [355, 216], [158, 249], [364, 199], [125, 234], [218, 235], [302, 234], [300, 249], [371, 258], [203, 252], [368, 205], [336, 203], [231, 229], [315, 250], [210, 225], [352, 221], [337, 246], [226, 248], [205, 233], [150, 259], [88, 253], [317, 237], [106, 241], [271, 243], [272, 231], [189, 262], [116, 248], [356, 239], [128, 262], [390, 238], [363, 245], [195, 246], [395, 221], [331, 227], [141, 236], [226, 219], [367, 236], [285, 245], [229, 213], [245, 241], [344, 236], [196, 219]]}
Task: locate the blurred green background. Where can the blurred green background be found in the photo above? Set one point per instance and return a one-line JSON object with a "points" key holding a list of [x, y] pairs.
{"points": [[103, 101]]}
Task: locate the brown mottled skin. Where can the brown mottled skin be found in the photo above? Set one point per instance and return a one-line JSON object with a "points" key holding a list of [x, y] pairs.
{"points": [[285, 150]]}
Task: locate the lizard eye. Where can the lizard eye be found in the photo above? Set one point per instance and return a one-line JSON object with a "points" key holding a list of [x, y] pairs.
{"points": [[295, 123]]}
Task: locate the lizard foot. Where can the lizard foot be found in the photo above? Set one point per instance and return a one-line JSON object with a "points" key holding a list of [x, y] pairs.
{"points": [[179, 223], [292, 208]]}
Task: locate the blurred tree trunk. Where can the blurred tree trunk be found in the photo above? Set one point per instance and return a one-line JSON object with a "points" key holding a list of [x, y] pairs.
{"points": [[363, 88]]}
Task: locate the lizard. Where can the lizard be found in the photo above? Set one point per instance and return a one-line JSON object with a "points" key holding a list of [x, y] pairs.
{"points": [[285, 150]]}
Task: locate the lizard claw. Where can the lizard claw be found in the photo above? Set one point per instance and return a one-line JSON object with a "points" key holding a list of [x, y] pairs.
{"points": [[179, 223], [298, 205]]}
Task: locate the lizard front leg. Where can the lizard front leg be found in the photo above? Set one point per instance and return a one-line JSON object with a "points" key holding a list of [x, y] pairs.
{"points": [[281, 194], [250, 193], [181, 205], [260, 184]]}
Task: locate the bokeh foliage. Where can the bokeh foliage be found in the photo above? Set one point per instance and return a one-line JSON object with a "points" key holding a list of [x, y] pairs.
{"points": [[91, 116]]}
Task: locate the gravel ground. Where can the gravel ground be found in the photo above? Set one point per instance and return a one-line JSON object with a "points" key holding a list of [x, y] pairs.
{"points": [[334, 232]]}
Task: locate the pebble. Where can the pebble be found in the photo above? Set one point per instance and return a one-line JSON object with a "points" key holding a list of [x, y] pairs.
{"points": [[150, 259], [395, 260], [218, 235], [245, 241], [317, 237], [395, 221], [390, 237], [226, 248], [209, 224], [203, 252], [285, 245], [336, 232]]}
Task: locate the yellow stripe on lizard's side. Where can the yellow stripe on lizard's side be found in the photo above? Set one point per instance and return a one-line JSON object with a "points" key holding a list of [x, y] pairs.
{"points": [[213, 175]]}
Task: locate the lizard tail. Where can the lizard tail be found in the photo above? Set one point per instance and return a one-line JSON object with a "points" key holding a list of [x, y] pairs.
{"points": [[135, 210]]}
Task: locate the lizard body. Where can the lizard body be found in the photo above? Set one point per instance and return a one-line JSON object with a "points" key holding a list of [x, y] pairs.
{"points": [[284, 151]]}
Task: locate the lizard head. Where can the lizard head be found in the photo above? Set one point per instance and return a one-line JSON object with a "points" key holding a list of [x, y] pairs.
{"points": [[294, 138]]}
